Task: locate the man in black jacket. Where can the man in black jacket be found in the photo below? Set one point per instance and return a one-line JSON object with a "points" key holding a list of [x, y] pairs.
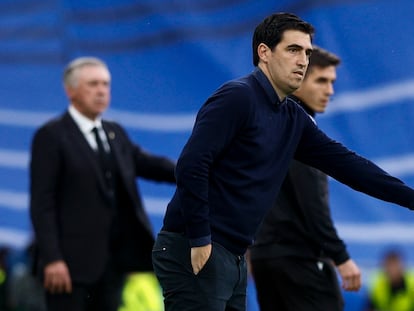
{"points": [[89, 223], [295, 249]]}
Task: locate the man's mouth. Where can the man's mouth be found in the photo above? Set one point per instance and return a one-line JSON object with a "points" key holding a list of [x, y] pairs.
{"points": [[299, 73]]}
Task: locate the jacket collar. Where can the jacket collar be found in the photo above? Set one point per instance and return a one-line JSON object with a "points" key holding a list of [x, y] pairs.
{"points": [[303, 105]]}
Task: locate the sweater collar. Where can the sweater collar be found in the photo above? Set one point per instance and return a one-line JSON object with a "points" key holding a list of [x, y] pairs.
{"points": [[267, 86]]}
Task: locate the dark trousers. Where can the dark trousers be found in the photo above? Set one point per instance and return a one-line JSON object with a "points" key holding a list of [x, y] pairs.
{"points": [[219, 286], [104, 295], [295, 284]]}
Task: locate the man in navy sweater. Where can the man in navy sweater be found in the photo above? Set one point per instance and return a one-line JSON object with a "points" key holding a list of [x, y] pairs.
{"points": [[297, 244], [233, 165]]}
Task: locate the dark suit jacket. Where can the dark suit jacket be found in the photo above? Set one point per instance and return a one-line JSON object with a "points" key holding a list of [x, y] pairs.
{"points": [[300, 224], [69, 205]]}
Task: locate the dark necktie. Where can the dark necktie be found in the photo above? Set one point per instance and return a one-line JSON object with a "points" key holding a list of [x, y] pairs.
{"points": [[106, 162], [103, 155]]}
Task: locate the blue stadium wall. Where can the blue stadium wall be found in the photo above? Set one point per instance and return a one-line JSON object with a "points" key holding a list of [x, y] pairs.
{"points": [[166, 57]]}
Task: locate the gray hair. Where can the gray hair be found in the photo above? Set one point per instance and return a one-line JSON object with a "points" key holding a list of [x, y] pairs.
{"points": [[69, 74]]}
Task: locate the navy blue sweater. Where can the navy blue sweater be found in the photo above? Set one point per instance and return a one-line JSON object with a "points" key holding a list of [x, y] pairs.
{"points": [[238, 154]]}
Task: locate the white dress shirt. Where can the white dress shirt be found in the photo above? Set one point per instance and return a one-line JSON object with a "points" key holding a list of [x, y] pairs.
{"points": [[86, 125]]}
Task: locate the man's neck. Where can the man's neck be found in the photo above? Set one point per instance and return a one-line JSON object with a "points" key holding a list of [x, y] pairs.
{"points": [[266, 72]]}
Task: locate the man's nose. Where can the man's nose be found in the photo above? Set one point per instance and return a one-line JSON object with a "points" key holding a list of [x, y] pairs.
{"points": [[330, 89], [303, 59], [102, 88]]}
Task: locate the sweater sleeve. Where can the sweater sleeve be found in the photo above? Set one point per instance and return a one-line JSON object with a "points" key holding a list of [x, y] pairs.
{"points": [[216, 125], [318, 150]]}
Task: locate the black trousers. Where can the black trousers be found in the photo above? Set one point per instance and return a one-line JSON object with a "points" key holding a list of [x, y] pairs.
{"points": [[295, 284], [104, 295], [219, 286]]}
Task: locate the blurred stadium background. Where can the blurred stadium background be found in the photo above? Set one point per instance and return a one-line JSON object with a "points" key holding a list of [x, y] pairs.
{"points": [[167, 56]]}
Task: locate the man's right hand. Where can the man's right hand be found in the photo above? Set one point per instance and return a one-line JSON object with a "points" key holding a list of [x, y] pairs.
{"points": [[199, 257], [351, 275], [57, 278]]}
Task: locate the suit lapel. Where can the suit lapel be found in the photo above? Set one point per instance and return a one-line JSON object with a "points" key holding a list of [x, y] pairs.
{"points": [[118, 152], [124, 168], [85, 150], [114, 144]]}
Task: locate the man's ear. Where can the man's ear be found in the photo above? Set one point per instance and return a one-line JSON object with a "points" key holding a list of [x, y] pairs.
{"points": [[69, 92], [263, 52]]}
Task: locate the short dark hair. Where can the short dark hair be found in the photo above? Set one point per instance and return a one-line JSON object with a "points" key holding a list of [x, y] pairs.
{"points": [[271, 29], [322, 58]]}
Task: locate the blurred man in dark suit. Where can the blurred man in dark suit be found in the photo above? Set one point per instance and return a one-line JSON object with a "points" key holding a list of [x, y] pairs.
{"points": [[89, 223]]}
